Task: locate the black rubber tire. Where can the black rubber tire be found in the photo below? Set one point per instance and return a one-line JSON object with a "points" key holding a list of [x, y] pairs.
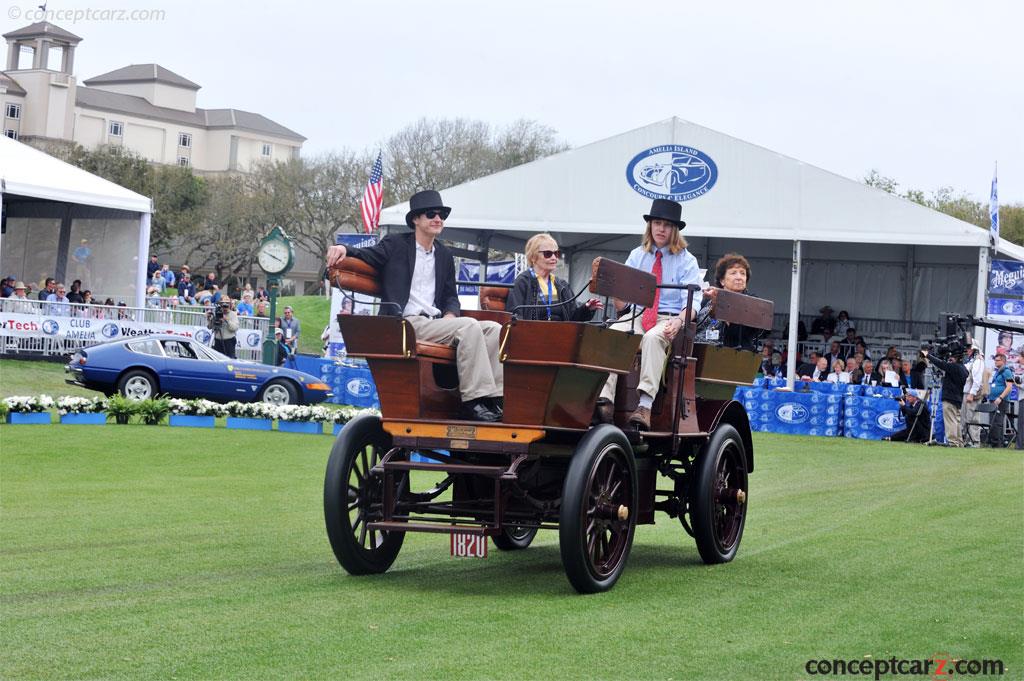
{"points": [[716, 517], [275, 385], [514, 538], [129, 379], [593, 540], [358, 447]]}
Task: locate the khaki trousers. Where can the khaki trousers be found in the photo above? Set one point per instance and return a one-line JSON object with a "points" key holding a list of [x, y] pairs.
{"points": [[476, 352], [968, 414], [951, 421], [653, 352]]}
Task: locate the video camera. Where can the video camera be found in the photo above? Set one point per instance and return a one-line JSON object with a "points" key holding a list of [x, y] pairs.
{"points": [[952, 338], [218, 313]]}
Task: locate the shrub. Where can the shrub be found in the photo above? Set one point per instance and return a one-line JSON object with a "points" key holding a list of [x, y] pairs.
{"points": [[153, 411]]}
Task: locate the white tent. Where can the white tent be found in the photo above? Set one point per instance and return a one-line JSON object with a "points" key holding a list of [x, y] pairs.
{"points": [[61, 220], [861, 249]]}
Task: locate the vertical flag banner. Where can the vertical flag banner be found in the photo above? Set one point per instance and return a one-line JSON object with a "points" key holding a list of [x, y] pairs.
{"points": [[373, 197], [993, 208]]}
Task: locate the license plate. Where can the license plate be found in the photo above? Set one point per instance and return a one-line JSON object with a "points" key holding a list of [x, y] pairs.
{"points": [[468, 546]]}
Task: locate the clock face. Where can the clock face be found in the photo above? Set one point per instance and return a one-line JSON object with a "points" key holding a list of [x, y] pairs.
{"points": [[273, 256]]}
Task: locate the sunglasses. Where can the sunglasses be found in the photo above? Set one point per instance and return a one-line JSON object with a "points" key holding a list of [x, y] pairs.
{"points": [[431, 214], [551, 254]]}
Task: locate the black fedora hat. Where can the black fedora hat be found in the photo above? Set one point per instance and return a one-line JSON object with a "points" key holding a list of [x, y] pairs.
{"points": [[663, 209], [425, 200]]}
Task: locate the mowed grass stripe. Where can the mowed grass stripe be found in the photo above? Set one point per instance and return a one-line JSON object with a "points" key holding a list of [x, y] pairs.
{"points": [[156, 552]]}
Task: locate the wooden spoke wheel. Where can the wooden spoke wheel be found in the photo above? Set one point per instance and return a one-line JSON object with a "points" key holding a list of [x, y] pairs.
{"points": [[514, 538], [718, 506], [353, 497], [598, 512]]}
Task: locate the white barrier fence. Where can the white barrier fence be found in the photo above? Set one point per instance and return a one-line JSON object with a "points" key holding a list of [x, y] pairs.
{"points": [[49, 329]]}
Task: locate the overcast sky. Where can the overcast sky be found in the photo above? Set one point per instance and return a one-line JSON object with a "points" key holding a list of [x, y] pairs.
{"points": [[930, 92]]}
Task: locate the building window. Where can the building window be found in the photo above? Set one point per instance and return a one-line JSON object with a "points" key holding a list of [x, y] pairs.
{"points": [[183, 161], [12, 111], [13, 134], [116, 129], [267, 150], [184, 139]]}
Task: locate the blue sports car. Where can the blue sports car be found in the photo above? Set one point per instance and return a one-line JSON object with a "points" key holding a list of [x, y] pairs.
{"points": [[161, 364]]}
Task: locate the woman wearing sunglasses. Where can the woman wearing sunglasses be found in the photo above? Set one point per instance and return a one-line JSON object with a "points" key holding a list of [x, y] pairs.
{"points": [[538, 286]]}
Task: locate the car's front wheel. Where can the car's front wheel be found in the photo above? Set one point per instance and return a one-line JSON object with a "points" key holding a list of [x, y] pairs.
{"points": [[279, 392], [137, 385]]}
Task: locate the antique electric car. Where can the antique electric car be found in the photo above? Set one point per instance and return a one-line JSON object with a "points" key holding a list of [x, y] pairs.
{"points": [[544, 466], [143, 367]]}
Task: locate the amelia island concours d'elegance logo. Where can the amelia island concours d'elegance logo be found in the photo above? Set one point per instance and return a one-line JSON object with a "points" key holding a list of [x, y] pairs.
{"points": [[672, 171]]}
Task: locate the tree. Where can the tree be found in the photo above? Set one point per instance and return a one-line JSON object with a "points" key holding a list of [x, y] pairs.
{"points": [[879, 181], [435, 154]]}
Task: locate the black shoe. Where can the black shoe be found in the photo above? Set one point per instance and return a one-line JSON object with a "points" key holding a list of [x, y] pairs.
{"points": [[496, 404], [476, 410]]}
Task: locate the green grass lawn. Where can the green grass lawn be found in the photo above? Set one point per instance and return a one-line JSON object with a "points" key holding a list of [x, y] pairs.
{"points": [[312, 313], [21, 377], [131, 552]]}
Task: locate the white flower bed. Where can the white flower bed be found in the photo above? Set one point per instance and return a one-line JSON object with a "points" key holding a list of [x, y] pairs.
{"points": [[198, 407], [250, 410], [67, 404], [28, 403]]}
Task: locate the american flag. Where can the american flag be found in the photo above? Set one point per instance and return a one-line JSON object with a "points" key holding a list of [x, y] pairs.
{"points": [[373, 197]]}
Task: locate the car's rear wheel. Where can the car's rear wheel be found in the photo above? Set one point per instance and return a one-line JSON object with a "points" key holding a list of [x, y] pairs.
{"points": [[137, 385], [279, 392]]}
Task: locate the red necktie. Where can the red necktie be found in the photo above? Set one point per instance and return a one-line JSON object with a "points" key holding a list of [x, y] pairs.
{"points": [[650, 316]]}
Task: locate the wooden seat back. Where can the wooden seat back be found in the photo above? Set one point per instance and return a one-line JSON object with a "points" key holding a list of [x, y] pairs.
{"points": [[739, 308], [628, 284]]}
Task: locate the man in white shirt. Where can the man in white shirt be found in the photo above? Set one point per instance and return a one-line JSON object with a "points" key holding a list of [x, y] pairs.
{"points": [[974, 392], [426, 297]]}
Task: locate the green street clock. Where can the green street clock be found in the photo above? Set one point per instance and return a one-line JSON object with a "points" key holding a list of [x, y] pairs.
{"points": [[275, 256]]}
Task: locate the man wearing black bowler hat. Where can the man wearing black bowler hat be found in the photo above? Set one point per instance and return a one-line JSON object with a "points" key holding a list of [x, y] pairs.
{"points": [[418, 275], [662, 253]]}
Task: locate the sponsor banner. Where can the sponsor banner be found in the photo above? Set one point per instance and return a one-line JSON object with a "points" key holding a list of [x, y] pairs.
{"points": [[102, 330], [340, 303], [672, 171], [1006, 277], [501, 272], [1008, 309]]}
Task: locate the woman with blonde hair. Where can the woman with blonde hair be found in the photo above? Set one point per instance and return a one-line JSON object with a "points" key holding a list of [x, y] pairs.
{"points": [[544, 296]]}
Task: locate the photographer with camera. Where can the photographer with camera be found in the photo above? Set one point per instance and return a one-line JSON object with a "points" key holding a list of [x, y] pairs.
{"points": [[1000, 386], [954, 377], [223, 321], [918, 418]]}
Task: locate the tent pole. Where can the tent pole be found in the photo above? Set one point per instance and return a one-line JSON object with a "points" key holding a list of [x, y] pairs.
{"points": [[794, 317], [979, 303], [140, 275]]}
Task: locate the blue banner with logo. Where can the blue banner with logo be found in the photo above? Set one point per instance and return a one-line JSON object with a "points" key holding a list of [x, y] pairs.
{"points": [[793, 413], [871, 418], [501, 272], [356, 240], [350, 384], [1006, 276], [1006, 306]]}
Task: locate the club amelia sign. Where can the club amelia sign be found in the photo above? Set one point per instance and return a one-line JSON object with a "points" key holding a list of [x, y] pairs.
{"points": [[99, 330], [672, 171]]}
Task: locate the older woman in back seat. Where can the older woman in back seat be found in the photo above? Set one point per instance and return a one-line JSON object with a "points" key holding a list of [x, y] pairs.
{"points": [[538, 285]]}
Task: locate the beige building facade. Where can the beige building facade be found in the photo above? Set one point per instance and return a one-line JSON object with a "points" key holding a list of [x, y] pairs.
{"points": [[143, 107]]}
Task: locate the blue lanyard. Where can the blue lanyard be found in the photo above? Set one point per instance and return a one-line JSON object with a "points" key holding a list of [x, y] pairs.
{"points": [[551, 293]]}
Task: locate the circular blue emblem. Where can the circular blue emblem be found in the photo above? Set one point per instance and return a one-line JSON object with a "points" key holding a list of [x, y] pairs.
{"points": [[672, 171], [109, 330], [887, 421], [50, 327], [254, 340], [359, 387], [791, 412], [204, 336]]}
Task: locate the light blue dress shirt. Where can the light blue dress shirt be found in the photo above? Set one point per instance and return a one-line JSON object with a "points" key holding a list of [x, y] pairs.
{"points": [[680, 268]]}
